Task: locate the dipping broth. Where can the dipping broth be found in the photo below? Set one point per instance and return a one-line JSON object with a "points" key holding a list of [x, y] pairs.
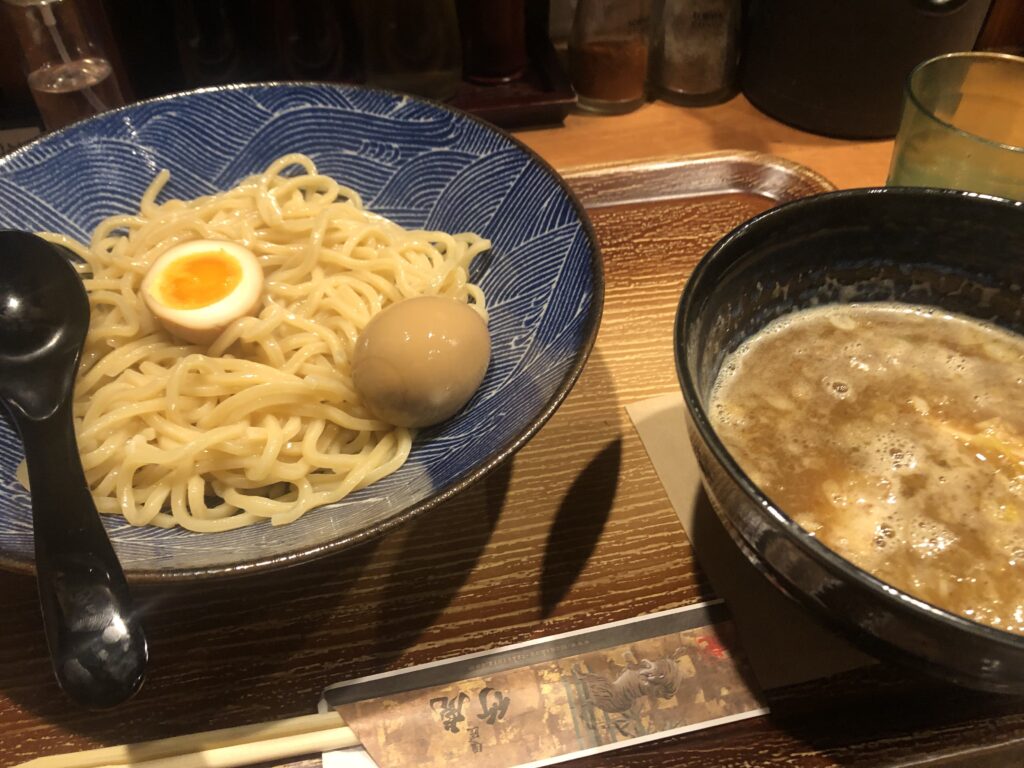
{"points": [[895, 434]]}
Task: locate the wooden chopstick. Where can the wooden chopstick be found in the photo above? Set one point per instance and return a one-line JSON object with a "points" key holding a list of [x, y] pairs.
{"points": [[224, 748]]}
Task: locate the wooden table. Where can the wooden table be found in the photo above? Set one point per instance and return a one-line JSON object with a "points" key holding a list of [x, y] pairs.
{"points": [[659, 129], [573, 532]]}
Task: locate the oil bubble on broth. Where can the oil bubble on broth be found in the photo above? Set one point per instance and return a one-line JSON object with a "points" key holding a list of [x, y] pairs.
{"points": [[894, 434]]}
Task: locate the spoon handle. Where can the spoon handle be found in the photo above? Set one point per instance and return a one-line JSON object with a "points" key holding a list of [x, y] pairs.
{"points": [[96, 642]]}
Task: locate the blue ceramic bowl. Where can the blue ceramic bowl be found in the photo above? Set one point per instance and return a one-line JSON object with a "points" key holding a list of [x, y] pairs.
{"points": [[416, 162]]}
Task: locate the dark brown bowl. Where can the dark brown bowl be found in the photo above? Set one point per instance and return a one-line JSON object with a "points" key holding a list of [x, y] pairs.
{"points": [[955, 250]]}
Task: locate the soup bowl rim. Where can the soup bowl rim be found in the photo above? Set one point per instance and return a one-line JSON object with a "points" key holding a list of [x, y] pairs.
{"points": [[727, 249]]}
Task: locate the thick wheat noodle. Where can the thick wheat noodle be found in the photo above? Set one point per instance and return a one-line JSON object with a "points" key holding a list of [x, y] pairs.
{"points": [[265, 423]]}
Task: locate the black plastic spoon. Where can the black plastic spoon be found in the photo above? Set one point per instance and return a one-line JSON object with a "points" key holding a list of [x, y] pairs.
{"points": [[96, 642]]}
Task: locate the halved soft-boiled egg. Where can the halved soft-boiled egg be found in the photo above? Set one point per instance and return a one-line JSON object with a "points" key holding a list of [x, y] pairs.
{"points": [[198, 288]]}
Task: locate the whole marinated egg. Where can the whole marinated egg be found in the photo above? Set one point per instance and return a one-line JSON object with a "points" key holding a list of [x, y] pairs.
{"points": [[198, 288], [417, 362]]}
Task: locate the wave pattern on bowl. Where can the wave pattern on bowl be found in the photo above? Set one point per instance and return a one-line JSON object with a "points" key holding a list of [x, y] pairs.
{"points": [[414, 162]]}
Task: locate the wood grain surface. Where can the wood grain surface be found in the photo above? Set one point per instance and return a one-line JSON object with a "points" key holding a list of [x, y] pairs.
{"points": [[574, 531], [659, 129]]}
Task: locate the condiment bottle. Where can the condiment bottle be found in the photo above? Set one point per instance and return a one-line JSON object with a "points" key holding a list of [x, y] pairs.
{"points": [[608, 54], [696, 51], [68, 74]]}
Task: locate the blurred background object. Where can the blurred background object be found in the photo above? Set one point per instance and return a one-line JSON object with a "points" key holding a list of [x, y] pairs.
{"points": [[838, 67], [828, 67], [609, 52], [225, 41], [68, 72], [963, 125], [493, 40], [1004, 28], [493, 58], [19, 118], [146, 40], [560, 16], [695, 51], [316, 40], [413, 47], [540, 95], [174, 45]]}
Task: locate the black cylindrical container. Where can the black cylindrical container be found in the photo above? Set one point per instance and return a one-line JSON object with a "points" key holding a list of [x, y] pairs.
{"points": [[837, 67]]}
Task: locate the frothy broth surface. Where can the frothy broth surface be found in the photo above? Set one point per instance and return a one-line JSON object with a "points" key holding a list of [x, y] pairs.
{"points": [[895, 434]]}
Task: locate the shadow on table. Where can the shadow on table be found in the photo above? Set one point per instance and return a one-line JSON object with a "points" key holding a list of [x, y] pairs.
{"points": [[887, 715], [213, 644], [245, 650], [439, 551], [838, 702], [578, 525], [437, 554], [783, 641]]}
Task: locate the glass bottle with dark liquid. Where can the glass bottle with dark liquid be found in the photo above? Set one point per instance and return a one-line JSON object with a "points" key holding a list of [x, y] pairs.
{"points": [[68, 74]]}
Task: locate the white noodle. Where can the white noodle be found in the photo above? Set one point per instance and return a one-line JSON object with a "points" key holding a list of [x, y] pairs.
{"points": [[265, 423]]}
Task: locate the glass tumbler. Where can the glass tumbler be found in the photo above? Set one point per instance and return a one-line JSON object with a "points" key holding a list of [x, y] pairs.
{"points": [[963, 125]]}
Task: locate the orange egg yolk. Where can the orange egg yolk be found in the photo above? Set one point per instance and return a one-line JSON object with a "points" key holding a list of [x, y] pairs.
{"points": [[199, 280]]}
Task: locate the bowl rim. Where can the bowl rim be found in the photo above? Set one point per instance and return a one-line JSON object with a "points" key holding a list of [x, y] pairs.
{"points": [[810, 545], [913, 96], [496, 457]]}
